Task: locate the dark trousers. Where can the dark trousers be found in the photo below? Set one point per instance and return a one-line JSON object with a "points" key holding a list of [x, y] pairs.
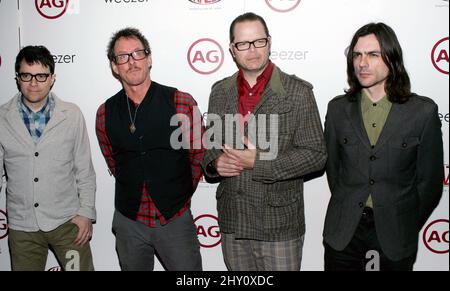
{"points": [[364, 252]]}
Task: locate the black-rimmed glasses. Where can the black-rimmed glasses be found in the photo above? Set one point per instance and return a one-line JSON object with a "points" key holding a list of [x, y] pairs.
{"points": [[245, 45], [27, 77], [137, 56]]}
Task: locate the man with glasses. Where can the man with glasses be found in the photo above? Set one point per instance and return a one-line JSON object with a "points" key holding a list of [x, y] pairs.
{"points": [[260, 196], [154, 179], [45, 152]]}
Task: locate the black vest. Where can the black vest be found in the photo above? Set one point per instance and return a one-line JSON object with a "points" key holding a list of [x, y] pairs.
{"points": [[146, 155]]}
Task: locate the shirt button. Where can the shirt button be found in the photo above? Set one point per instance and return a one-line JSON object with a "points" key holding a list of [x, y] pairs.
{"points": [[404, 145], [361, 205], [374, 125], [36, 180], [36, 154], [36, 205], [373, 158], [345, 140], [372, 182], [374, 104]]}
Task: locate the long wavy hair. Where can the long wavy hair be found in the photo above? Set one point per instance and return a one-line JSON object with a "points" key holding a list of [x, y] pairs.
{"points": [[398, 85]]}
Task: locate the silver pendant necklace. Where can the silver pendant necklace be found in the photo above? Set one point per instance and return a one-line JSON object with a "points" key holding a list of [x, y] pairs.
{"points": [[132, 120]]}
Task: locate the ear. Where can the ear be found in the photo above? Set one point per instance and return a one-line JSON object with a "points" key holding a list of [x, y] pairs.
{"points": [[53, 79], [149, 60], [114, 68], [231, 48]]}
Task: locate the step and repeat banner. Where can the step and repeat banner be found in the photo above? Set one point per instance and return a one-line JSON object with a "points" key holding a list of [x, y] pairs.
{"points": [[189, 41]]}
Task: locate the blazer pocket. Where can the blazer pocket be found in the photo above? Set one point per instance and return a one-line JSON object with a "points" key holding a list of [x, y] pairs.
{"points": [[283, 198], [349, 149], [403, 152], [285, 118]]}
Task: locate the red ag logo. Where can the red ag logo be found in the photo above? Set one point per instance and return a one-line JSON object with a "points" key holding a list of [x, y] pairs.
{"points": [[435, 236], [283, 5], [446, 176], [208, 230], [204, 2], [439, 56], [205, 56], [3, 224], [51, 9]]}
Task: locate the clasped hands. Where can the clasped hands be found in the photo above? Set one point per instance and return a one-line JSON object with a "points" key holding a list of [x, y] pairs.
{"points": [[233, 162]]}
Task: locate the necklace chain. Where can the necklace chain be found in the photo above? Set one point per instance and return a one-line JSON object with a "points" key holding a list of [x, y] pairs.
{"points": [[132, 120]]}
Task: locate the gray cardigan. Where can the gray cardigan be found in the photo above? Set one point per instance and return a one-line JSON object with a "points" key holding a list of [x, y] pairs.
{"points": [[51, 182]]}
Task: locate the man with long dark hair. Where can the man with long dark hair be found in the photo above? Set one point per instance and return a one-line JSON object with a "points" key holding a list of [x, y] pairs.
{"points": [[385, 159]]}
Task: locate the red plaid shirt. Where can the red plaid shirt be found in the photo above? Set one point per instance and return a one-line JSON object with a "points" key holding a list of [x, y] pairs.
{"points": [[186, 105]]}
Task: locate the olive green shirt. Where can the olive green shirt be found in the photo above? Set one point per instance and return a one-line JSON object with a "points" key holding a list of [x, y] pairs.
{"points": [[374, 117]]}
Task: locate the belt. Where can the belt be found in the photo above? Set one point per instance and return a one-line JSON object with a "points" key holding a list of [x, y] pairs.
{"points": [[367, 216]]}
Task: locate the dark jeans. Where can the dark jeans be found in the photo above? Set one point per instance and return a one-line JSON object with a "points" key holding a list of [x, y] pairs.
{"points": [[364, 244]]}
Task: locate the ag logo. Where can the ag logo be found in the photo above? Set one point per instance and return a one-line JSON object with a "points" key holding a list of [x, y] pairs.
{"points": [[51, 9], [435, 236], [55, 269], [3, 225], [208, 230], [283, 5], [204, 2], [439, 56], [205, 56]]}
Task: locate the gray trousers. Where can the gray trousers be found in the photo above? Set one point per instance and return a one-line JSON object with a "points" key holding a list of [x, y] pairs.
{"points": [[176, 244], [252, 255]]}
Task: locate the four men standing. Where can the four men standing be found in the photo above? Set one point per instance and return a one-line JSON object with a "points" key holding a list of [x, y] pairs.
{"points": [[383, 143]]}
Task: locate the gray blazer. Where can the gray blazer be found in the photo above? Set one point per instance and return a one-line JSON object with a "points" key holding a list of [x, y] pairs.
{"points": [[52, 181], [266, 203], [403, 172]]}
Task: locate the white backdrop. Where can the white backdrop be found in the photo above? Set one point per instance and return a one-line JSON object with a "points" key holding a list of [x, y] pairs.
{"points": [[309, 39]]}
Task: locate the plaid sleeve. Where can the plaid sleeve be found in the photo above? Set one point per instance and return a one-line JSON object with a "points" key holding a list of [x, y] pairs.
{"points": [[105, 144], [186, 105]]}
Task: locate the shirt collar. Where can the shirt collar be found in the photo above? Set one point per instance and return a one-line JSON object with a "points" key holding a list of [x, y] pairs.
{"points": [[366, 103], [264, 77], [49, 105]]}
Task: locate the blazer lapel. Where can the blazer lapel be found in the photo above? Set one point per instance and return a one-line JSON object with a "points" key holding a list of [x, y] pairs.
{"points": [[392, 125], [17, 125], [232, 96], [273, 94], [353, 111], [57, 117]]}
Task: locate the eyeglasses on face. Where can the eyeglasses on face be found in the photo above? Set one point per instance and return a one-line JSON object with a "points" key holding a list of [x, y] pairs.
{"points": [[137, 56], [27, 77], [245, 45]]}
